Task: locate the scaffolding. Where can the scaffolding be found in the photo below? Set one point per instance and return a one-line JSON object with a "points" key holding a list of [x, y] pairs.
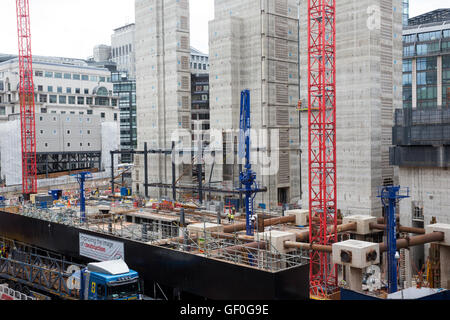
{"points": [[232, 248]]}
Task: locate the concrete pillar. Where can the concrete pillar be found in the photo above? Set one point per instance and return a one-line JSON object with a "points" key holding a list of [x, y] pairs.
{"points": [[414, 83], [355, 279], [445, 266], [439, 82]]}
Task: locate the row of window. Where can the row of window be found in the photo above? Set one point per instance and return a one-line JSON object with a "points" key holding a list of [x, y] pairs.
{"points": [[69, 144], [427, 36], [98, 101], [199, 58], [60, 89], [121, 51], [200, 66], [422, 49], [71, 76]]}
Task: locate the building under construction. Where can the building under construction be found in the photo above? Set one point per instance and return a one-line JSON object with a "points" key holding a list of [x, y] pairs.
{"points": [[211, 219]]}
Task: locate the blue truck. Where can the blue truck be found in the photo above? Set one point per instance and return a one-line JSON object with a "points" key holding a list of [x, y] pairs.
{"points": [[49, 276], [109, 280]]}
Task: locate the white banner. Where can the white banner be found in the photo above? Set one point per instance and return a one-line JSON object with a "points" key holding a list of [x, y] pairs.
{"points": [[101, 249]]}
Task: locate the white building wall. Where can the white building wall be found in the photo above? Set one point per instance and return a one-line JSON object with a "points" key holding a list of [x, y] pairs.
{"points": [[163, 86]]}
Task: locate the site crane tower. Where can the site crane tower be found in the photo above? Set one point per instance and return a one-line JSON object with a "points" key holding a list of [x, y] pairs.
{"points": [[26, 96], [322, 141]]}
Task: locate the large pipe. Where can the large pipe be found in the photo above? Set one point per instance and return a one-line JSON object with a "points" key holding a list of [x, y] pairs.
{"points": [[269, 222], [340, 228], [307, 246], [378, 226], [416, 241], [401, 243]]}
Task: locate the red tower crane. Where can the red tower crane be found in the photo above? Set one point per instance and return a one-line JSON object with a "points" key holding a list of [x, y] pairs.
{"points": [[26, 96], [322, 141]]}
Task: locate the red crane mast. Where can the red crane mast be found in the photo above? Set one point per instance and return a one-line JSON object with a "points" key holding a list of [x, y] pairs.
{"points": [[322, 141], [26, 96]]}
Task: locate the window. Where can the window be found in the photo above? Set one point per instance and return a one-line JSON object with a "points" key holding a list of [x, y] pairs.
{"points": [[43, 110], [59, 89], [89, 132], [409, 51], [89, 100], [114, 102], [63, 112], [407, 79], [89, 112], [102, 79], [115, 116], [195, 65], [2, 111], [39, 74], [68, 131], [68, 144], [71, 100], [77, 90], [49, 89], [58, 75], [40, 88], [429, 36], [67, 76], [80, 100], [102, 115], [101, 101], [84, 77], [86, 91], [62, 100], [53, 99], [447, 33], [76, 77], [48, 74], [429, 63], [43, 98], [68, 90], [93, 78]]}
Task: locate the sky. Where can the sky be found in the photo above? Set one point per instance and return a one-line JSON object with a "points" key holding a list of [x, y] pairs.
{"points": [[71, 28]]}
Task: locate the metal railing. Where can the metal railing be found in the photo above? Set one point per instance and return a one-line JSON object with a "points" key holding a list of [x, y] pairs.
{"points": [[159, 233], [16, 295]]}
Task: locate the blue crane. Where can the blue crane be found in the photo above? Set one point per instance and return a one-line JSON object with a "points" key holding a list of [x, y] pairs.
{"points": [[81, 178], [247, 177], [389, 196]]}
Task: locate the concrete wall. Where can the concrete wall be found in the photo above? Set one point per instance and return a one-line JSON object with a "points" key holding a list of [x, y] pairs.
{"points": [[253, 45], [369, 62], [163, 85]]}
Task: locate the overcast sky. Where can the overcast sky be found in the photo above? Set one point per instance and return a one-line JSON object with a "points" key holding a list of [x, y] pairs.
{"points": [[71, 28]]}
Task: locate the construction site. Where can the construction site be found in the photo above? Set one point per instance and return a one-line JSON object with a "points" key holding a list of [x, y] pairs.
{"points": [[291, 194]]}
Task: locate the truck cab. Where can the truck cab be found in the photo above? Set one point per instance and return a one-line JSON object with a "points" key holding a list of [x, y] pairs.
{"points": [[110, 280]]}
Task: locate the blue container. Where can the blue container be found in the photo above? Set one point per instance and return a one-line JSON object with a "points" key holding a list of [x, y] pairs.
{"points": [[124, 192]]}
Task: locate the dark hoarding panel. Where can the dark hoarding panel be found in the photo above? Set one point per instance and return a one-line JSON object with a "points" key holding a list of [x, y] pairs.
{"points": [[197, 275]]}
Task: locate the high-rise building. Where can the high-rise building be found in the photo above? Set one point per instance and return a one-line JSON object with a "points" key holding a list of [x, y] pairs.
{"points": [[163, 77], [368, 62], [253, 45], [421, 133]]}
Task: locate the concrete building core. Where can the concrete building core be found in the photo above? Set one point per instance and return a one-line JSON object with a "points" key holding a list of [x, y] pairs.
{"points": [[368, 61], [254, 45], [163, 88]]}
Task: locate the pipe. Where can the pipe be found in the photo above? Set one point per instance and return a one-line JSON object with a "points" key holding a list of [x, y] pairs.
{"points": [[401, 243], [416, 241], [340, 228], [269, 222], [308, 246], [377, 226]]}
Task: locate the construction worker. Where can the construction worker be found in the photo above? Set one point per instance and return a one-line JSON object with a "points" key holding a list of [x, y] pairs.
{"points": [[233, 212], [229, 217]]}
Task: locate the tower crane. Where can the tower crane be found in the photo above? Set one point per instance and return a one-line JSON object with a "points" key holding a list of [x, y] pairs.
{"points": [[26, 96], [322, 141]]}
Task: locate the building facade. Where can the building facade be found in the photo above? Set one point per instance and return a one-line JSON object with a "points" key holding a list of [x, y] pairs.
{"points": [[163, 90], [125, 89], [421, 132], [62, 86], [77, 116], [123, 51], [368, 89], [199, 62]]}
